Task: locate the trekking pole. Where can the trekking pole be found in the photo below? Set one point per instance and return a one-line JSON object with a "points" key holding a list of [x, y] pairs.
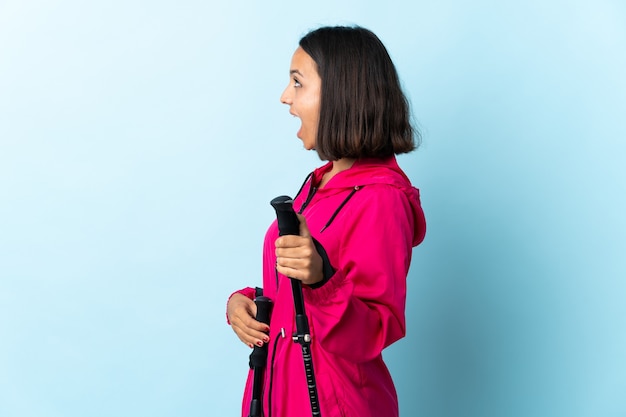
{"points": [[288, 224], [258, 358]]}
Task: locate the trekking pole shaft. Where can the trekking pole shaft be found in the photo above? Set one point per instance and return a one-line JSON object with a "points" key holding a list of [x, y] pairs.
{"points": [[258, 358], [289, 224]]}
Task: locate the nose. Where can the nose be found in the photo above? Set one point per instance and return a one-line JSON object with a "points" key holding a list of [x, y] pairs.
{"points": [[285, 97]]}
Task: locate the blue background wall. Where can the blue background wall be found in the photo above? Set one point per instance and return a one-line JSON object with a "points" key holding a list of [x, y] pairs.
{"points": [[140, 144]]}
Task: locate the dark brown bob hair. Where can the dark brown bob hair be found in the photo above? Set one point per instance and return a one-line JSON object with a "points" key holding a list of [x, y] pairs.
{"points": [[363, 111]]}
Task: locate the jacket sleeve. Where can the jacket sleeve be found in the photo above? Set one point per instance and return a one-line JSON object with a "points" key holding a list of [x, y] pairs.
{"points": [[361, 309]]}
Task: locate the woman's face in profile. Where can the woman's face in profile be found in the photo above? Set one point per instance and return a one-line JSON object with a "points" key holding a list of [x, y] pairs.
{"points": [[302, 95]]}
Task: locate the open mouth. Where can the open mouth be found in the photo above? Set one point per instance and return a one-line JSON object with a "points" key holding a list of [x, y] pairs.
{"points": [[299, 133]]}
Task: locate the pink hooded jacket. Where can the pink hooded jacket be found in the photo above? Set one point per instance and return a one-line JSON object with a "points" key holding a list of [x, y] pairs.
{"points": [[367, 218]]}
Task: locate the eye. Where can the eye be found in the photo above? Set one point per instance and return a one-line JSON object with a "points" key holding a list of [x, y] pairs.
{"points": [[296, 83]]}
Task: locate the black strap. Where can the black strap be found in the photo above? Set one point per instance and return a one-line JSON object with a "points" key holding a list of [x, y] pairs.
{"points": [[327, 269]]}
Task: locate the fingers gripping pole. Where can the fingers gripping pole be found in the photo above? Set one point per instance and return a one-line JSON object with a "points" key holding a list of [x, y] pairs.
{"points": [[288, 224]]}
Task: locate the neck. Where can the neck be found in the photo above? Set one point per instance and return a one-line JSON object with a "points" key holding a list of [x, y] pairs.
{"points": [[342, 164], [338, 166]]}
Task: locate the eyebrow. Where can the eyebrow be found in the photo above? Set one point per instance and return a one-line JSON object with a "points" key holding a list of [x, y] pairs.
{"points": [[295, 71]]}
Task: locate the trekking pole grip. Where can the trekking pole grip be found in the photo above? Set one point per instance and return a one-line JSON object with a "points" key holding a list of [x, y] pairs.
{"points": [[288, 223], [263, 309]]}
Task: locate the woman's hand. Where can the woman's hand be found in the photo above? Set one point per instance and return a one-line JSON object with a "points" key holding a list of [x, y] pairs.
{"points": [[296, 256], [241, 314]]}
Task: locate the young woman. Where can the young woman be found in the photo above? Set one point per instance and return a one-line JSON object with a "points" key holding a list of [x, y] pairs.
{"points": [[359, 216]]}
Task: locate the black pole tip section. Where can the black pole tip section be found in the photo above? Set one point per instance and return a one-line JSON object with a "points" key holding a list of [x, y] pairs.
{"points": [[255, 408]]}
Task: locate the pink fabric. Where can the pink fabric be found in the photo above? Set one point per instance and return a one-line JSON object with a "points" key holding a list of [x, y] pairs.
{"points": [[360, 310]]}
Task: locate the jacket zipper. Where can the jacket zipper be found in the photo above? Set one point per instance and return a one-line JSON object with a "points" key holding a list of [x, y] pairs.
{"points": [[312, 192]]}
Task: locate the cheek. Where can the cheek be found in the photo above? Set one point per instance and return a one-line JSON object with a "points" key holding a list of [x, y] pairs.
{"points": [[313, 110]]}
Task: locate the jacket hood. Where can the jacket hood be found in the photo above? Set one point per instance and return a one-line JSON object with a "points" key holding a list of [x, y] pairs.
{"points": [[366, 172]]}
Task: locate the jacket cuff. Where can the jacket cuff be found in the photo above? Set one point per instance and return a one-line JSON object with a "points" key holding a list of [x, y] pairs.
{"points": [[327, 269], [326, 293]]}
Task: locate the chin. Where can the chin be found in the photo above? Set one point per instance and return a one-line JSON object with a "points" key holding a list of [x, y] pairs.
{"points": [[306, 146], [309, 145]]}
